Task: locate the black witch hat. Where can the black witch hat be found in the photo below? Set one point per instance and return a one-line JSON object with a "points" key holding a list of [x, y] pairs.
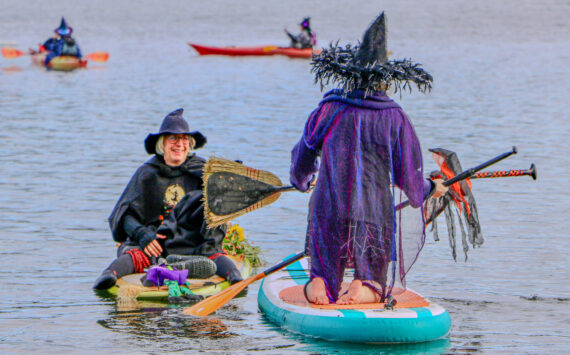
{"points": [[173, 123], [366, 65]]}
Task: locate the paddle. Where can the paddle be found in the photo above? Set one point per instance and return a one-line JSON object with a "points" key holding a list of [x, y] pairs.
{"points": [[217, 301], [12, 53], [469, 172], [99, 57], [506, 173]]}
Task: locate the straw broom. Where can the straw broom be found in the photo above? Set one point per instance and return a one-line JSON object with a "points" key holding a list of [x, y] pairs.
{"points": [[232, 189]]}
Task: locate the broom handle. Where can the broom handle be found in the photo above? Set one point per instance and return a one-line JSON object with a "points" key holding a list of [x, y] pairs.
{"points": [[284, 188]]}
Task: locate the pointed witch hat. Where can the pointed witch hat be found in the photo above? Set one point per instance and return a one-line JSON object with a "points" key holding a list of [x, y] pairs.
{"points": [[63, 29], [306, 23], [366, 66], [174, 123]]}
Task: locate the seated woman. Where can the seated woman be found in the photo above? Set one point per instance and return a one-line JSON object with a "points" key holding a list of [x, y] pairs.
{"points": [[61, 43], [305, 39], [171, 176]]}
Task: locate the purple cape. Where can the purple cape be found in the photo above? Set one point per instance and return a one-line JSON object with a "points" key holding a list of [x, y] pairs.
{"points": [[370, 160]]}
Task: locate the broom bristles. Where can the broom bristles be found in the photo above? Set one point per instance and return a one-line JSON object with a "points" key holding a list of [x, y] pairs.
{"points": [[217, 165], [128, 290]]}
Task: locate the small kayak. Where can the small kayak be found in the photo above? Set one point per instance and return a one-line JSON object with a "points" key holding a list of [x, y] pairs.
{"points": [[255, 51], [60, 63], [203, 287], [413, 318]]}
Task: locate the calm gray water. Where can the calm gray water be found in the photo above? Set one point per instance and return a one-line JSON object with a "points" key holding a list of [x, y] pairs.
{"points": [[69, 143]]}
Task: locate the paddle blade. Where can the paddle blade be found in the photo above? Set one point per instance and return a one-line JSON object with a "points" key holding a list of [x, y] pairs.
{"points": [[215, 302], [98, 56], [11, 53]]}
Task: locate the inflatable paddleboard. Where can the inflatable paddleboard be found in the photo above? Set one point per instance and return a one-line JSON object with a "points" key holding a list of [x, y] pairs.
{"points": [[413, 318]]}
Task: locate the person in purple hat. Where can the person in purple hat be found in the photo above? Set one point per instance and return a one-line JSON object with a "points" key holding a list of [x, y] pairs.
{"points": [[61, 43], [368, 159], [306, 38], [160, 212]]}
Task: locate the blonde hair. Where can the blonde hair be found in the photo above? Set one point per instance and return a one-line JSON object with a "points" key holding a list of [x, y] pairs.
{"points": [[159, 147]]}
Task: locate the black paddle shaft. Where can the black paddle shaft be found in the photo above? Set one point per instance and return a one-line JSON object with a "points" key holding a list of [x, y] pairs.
{"points": [[284, 263], [467, 173]]}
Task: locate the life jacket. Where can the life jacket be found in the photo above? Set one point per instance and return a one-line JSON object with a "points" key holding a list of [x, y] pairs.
{"points": [[69, 47]]}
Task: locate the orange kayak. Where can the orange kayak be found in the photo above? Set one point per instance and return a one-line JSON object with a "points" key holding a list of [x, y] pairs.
{"points": [[255, 51]]}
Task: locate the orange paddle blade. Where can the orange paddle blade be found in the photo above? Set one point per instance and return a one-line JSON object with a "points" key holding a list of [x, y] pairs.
{"points": [[269, 48], [98, 56], [217, 301], [11, 53]]}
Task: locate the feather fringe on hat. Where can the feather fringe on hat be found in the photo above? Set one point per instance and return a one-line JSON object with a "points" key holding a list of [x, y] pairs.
{"points": [[365, 66]]}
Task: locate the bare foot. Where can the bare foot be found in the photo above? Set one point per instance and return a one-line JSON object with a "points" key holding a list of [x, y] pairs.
{"points": [[317, 291], [357, 294]]}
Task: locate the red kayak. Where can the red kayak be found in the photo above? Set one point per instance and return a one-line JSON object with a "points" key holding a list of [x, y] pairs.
{"points": [[258, 51]]}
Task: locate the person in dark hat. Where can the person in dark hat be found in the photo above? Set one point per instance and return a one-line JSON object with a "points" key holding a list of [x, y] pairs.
{"points": [[368, 159], [61, 43], [160, 212], [306, 38]]}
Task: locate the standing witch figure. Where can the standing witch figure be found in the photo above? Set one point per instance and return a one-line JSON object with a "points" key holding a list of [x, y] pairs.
{"points": [[370, 160]]}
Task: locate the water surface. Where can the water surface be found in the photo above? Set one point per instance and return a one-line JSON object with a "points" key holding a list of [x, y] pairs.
{"points": [[69, 143]]}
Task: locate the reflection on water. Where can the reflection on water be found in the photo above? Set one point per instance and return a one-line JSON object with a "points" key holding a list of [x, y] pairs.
{"points": [[148, 323], [168, 330]]}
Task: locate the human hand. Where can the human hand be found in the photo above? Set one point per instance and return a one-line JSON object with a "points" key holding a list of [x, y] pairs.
{"points": [[153, 248], [440, 188], [312, 184]]}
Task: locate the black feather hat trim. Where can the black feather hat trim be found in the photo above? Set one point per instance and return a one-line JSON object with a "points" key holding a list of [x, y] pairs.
{"points": [[365, 66]]}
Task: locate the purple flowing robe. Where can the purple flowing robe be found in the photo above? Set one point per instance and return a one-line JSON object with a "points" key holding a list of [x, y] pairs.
{"points": [[370, 160]]}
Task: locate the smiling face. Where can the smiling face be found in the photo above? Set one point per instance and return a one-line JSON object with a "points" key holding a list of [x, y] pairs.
{"points": [[176, 148]]}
